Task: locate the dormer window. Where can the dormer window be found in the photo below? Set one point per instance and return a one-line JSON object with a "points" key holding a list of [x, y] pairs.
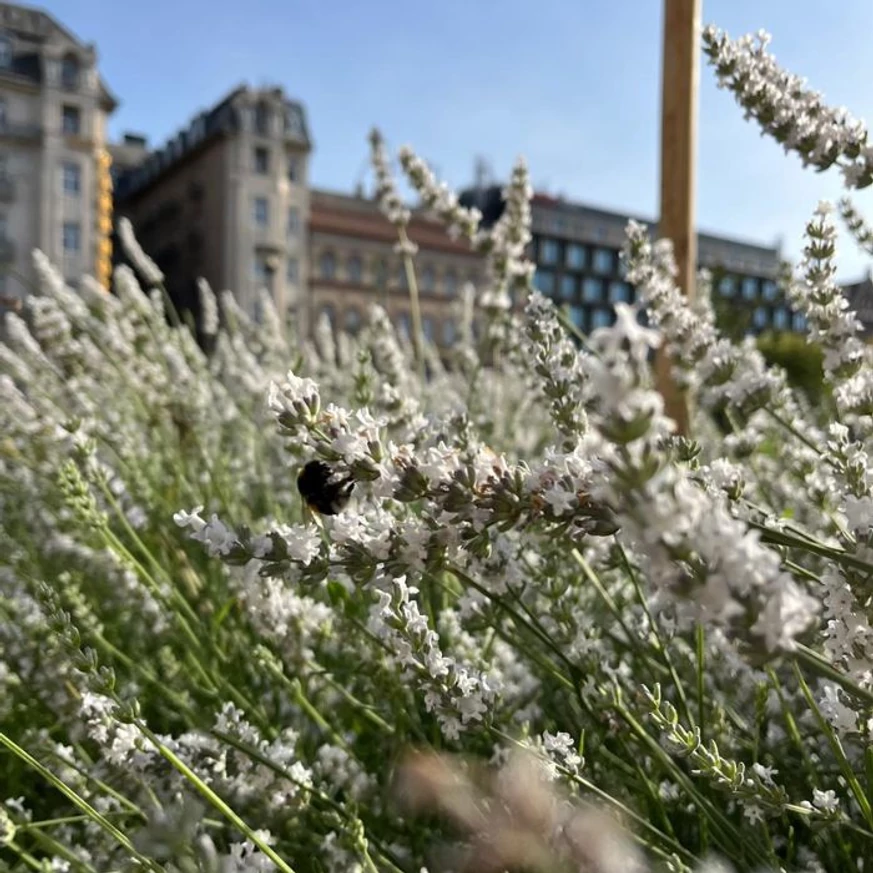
{"points": [[262, 119], [70, 72], [293, 121], [5, 53]]}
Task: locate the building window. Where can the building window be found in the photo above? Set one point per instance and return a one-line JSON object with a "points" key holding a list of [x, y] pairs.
{"points": [[72, 236], [727, 286], [620, 292], [601, 318], [576, 256], [5, 52], [380, 269], [263, 273], [577, 316], [759, 317], [293, 221], [262, 119], [549, 251], [780, 318], [262, 211], [603, 261], [352, 320], [326, 312], [293, 168], [262, 160], [71, 120], [769, 289], [427, 327], [450, 283], [592, 290], [799, 321], [450, 331], [544, 280], [3, 112], [293, 121], [327, 265], [402, 281], [750, 288], [72, 175], [70, 72], [568, 287], [403, 325], [355, 269], [292, 271], [428, 279]]}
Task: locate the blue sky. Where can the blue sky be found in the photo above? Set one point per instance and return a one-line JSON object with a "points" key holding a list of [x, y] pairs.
{"points": [[573, 86]]}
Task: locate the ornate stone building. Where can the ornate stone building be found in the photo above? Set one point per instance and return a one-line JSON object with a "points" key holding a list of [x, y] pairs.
{"points": [[55, 190], [353, 264], [226, 199]]}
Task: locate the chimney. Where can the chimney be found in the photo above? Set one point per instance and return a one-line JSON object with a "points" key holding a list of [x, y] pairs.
{"points": [[136, 139]]}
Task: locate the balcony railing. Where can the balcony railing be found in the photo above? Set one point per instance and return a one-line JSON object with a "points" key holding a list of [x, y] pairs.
{"points": [[268, 239], [20, 131]]}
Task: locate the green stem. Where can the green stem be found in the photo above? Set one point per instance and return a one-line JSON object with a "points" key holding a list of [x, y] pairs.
{"points": [[836, 748], [214, 799], [660, 647], [414, 306], [79, 802]]}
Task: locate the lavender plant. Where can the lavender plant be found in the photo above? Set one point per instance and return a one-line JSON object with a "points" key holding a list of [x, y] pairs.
{"points": [[538, 587]]}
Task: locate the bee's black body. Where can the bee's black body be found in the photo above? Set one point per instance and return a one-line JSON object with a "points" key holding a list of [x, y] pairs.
{"points": [[323, 490]]}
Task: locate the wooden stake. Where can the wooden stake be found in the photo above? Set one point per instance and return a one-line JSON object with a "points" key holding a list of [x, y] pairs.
{"points": [[679, 86]]}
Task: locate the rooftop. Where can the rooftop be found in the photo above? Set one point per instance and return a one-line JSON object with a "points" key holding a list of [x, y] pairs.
{"points": [[583, 209], [34, 26], [225, 117]]}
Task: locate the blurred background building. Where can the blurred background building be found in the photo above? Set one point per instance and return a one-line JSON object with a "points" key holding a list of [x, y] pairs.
{"points": [[576, 250], [228, 198], [353, 264], [55, 191]]}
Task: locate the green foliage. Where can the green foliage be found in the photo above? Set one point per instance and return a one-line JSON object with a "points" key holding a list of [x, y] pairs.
{"points": [[801, 360]]}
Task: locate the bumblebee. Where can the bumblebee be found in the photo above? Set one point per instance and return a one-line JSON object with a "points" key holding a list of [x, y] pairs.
{"points": [[323, 490]]}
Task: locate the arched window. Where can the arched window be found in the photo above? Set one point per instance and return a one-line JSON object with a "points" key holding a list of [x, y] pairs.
{"points": [[355, 269], [352, 320], [380, 269], [293, 121], [450, 331], [327, 312], [404, 325], [428, 279], [327, 265], [70, 72]]}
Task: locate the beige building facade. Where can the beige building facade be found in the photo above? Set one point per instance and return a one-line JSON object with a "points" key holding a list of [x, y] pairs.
{"points": [[54, 169], [227, 199], [353, 264]]}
